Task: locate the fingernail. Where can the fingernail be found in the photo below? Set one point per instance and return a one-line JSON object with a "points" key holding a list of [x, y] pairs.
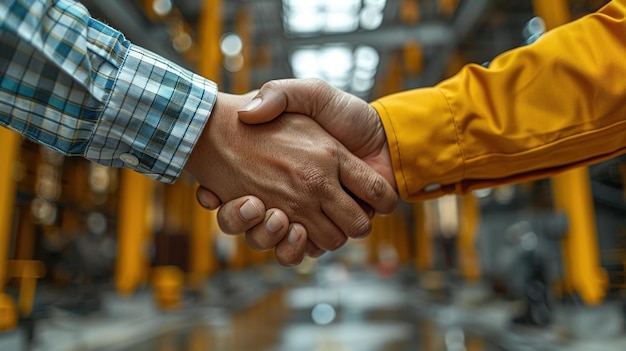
{"points": [[362, 236], [201, 201], [293, 236], [273, 224], [248, 211], [251, 105]]}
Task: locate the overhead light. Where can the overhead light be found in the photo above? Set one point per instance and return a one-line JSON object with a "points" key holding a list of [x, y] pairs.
{"points": [[375, 4], [182, 42], [361, 84], [162, 7], [371, 18], [342, 5], [323, 314], [314, 16], [341, 22], [304, 63], [366, 58], [300, 3], [305, 21], [231, 44], [336, 60], [234, 63], [343, 67]]}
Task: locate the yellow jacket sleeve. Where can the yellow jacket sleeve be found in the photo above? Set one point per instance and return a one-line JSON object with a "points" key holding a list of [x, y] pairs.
{"points": [[535, 111]]}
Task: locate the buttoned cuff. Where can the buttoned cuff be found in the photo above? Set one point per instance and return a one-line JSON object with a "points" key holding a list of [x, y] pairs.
{"points": [[154, 116]]}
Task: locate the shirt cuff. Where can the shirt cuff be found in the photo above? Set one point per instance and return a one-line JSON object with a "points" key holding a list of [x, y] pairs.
{"points": [[154, 116]]}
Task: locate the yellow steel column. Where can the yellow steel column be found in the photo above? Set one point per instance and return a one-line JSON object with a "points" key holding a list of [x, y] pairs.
{"points": [[25, 243], [8, 157], [8, 313], [201, 258], [10, 142], [572, 194], [622, 171], [413, 55], [422, 238], [553, 12], [583, 272], [375, 239], [400, 236], [447, 7], [239, 259], [210, 31], [210, 63], [134, 231], [468, 257], [241, 84], [409, 11], [176, 208], [27, 271]]}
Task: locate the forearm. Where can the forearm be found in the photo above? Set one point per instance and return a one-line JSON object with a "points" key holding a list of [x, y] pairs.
{"points": [[76, 85], [536, 110]]}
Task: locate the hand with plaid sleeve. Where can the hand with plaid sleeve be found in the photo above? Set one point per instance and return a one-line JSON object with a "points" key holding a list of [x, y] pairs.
{"points": [[76, 85]]}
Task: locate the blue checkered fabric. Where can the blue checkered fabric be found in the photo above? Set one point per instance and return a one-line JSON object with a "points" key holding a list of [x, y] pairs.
{"points": [[78, 86]]}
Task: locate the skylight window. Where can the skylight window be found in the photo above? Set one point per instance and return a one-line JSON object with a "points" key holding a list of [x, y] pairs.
{"points": [[349, 69], [306, 17]]}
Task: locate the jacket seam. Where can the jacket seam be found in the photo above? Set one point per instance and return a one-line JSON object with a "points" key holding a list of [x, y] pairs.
{"points": [[395, 135], [456, 132]]}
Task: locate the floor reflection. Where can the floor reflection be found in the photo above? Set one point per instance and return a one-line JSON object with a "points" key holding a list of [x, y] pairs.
{"points": [[336, 311]]}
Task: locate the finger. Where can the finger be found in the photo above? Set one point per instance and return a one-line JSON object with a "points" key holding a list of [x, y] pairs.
{"points": [[312, 250], [338, 217], [267, 236], [364, 183], [364, 206], [348, 216], [290, 251], [370, 214], [207, 199], [325, 232], [286, 95], [240, 215], [342, 209]]}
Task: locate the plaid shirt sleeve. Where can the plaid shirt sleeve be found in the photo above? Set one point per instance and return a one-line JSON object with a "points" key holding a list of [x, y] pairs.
{"points": [[78, 86]]}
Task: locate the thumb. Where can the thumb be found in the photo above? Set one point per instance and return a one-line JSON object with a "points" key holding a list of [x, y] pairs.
{"points": [[264, 107], [303, 96]]}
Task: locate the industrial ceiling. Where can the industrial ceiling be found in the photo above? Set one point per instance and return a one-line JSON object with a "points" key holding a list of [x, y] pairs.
{"points": [[358, 45]]}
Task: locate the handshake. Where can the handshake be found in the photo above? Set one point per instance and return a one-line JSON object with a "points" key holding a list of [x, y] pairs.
{"points": [[300, 166]]}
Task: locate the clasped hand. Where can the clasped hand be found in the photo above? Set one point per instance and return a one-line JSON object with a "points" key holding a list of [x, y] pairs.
{"points": [[318, 192]]}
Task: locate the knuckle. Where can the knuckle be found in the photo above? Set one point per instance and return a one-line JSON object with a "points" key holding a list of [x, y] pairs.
{"points": [[360, 228], [314, 253], [226, 225], [319, 86], [376, 189], [336, 242], [272, 84], [296, 207], [256, 242], [379, 192], [312, 250], [333, 151], [288, 259], [321, 93], [314, 180]]}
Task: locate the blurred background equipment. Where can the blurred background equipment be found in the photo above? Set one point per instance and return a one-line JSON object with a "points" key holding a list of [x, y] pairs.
{"points": [[93, 258]]}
